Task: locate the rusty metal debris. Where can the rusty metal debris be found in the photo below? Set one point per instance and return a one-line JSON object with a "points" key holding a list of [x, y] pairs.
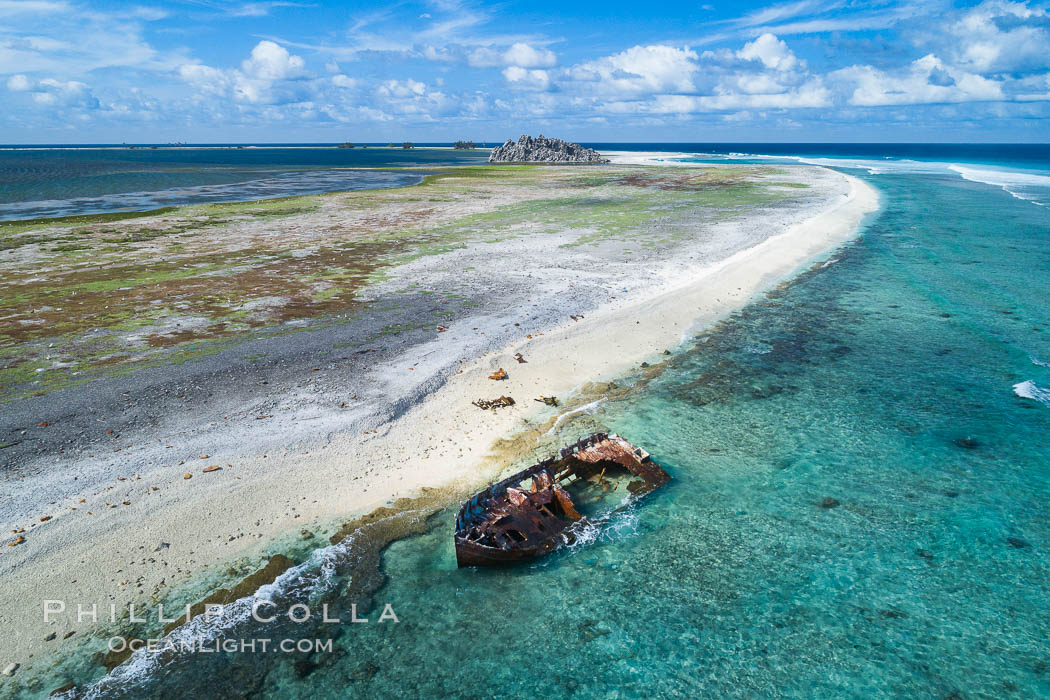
{"points": [[493, 404], [549, 400], [534, 512], [518, 356], [499, 374]]}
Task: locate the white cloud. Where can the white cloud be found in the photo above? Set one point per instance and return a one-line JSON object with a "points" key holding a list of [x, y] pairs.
{"points": [[434, 53], [772, 52], [524, 55], [51, 92], [19, 83], [269, 61], [402, 88], [777, 13], [270, 75], [999, 35], [517, 54], [807, 96], [927, 80], [150, 14], [259, 9], [40, 36], [756, 84], [1034, 88], [641, 70], [534, 78], [343, 81], [10, 8], [414, 99]]}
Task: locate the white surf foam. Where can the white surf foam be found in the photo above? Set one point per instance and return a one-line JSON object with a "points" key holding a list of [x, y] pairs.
{"points": [[1030, 390], [308, 580], [874, 166], [587, 408], [1028, 186]]}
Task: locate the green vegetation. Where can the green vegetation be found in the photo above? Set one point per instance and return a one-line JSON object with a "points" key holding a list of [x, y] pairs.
{"points": [[88, 295]]}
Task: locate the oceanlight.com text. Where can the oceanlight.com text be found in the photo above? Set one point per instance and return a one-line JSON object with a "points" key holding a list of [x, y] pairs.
{"points": [[215, 646]]}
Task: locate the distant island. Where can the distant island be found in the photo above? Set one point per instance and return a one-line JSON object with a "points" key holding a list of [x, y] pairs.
{"points": [[544, 150]]}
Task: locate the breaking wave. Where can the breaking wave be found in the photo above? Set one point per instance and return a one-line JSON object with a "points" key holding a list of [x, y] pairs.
{"points": [[1030, 390], [304, 583], [587, 408], [1031, 187], [617, 523]]}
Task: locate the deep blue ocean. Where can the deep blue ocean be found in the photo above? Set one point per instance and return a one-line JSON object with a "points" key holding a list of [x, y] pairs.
{"points": [[860, 505]]}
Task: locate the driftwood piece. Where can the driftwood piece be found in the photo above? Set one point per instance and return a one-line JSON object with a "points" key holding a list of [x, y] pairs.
{"points": [[493, 404]]}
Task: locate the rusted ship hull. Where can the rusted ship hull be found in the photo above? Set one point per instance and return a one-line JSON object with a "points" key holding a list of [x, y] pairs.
{"points": [[510, 521]]}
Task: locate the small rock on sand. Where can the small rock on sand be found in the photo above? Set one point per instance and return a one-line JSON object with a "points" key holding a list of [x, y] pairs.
{"points": [[10, 669]]}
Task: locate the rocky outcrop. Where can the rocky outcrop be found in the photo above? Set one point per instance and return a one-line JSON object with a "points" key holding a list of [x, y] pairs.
{"points": [[544, 150]]}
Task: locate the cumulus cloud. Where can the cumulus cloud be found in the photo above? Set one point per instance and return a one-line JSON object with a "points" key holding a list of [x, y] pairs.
{"points": [[663, 80], [771, 51], [402, 88], [51, 92], [270, 75], [641, 70], [413, 98], [535, 78], [927, 80], [517, 54], [526, 56], [999, 35], [19, 83], [270, 61]]}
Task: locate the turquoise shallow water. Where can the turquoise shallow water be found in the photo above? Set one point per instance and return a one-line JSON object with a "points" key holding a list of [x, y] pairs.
{"points": [[66, 181], [884, 380]]}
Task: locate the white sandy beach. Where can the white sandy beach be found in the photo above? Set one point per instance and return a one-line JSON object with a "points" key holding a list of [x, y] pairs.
{"points": [[439, 440]]}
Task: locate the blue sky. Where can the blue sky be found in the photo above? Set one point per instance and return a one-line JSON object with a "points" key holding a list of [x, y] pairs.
{"points": [[77, 71]]}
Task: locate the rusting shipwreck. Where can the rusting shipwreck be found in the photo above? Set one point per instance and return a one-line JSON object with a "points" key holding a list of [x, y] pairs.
{"points": [[533, 512]]}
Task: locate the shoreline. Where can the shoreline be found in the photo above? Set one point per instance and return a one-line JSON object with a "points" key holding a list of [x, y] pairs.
{"points": [[416, 448]]}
